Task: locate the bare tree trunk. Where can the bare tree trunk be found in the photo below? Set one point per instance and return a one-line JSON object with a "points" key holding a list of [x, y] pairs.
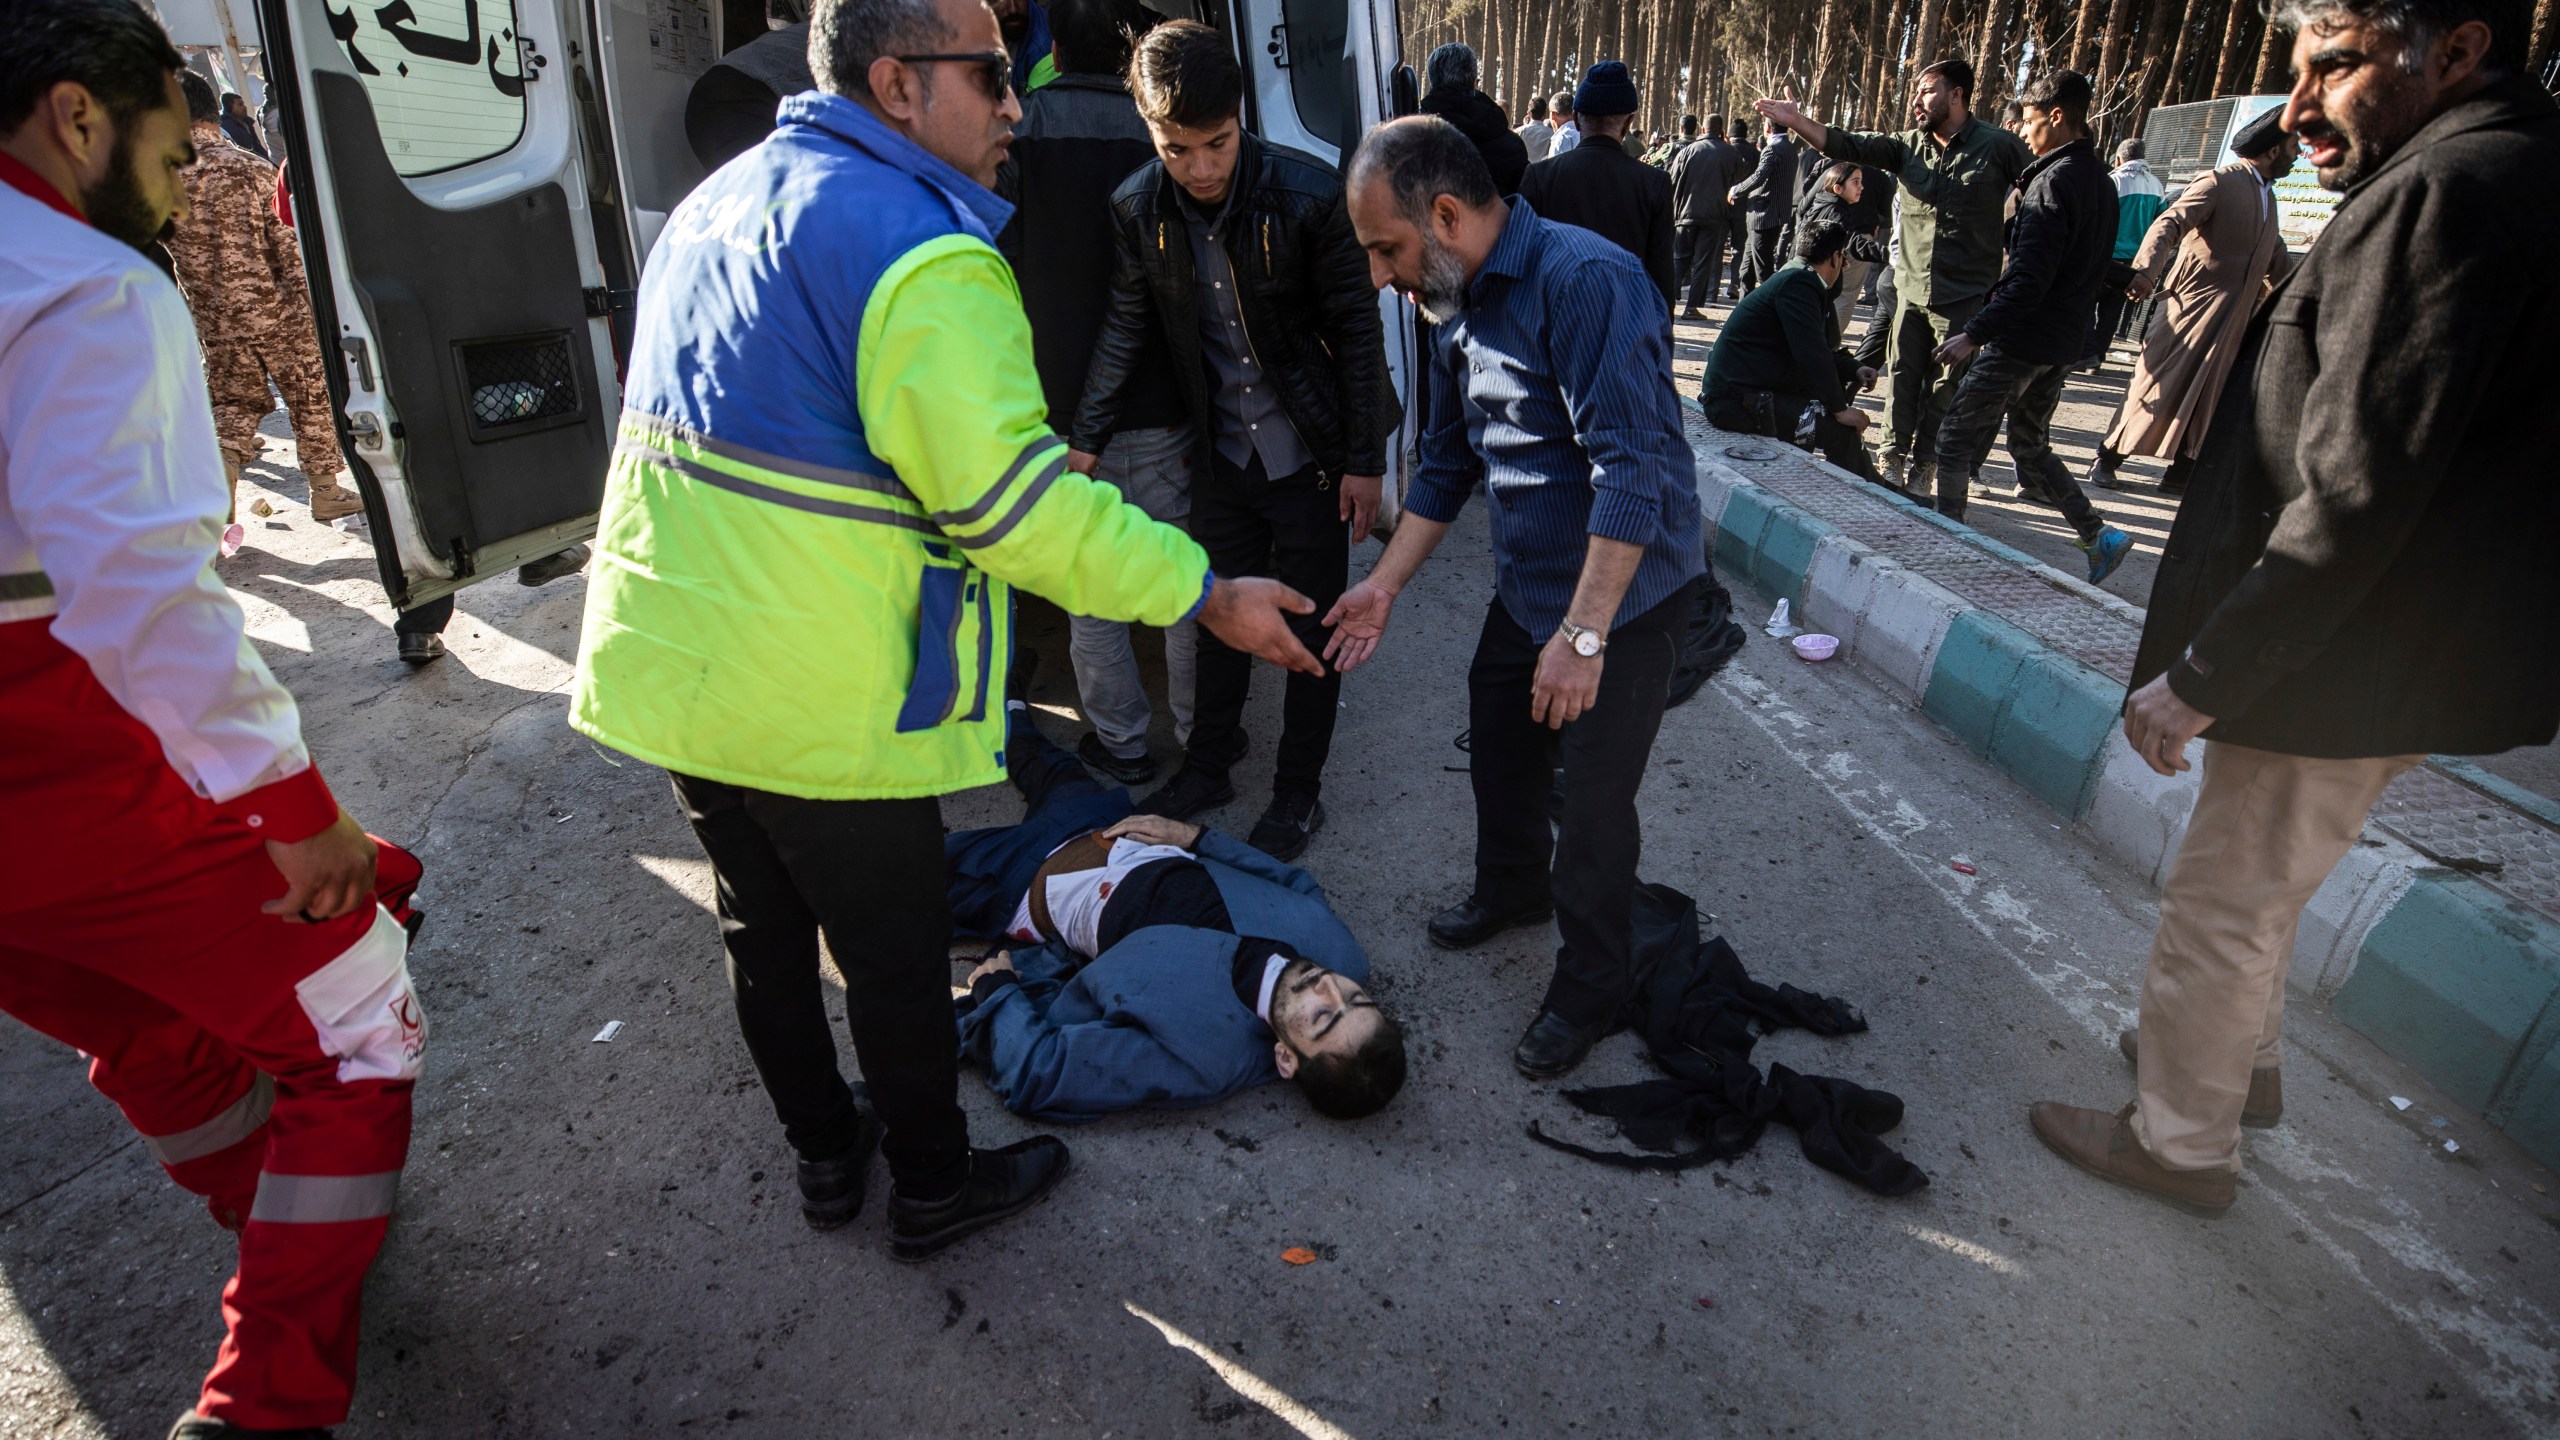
{"points": [[1660, 90], [1924, 44], [1992, 72], [2275, 59], [2238, 49], [2151, 78], [1883, 90], [2111, 49], [1697, 41], [2173, 84], [2085, 36]]}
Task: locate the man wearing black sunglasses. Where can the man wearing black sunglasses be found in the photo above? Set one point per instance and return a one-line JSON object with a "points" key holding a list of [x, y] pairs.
{"points": [[834, 463]]}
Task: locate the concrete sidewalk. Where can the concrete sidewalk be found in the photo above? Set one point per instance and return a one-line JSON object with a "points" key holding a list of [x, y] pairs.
{"points": [[2438, 938]]}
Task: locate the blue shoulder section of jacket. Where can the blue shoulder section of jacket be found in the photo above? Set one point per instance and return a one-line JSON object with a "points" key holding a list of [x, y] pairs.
{"points": [[751, 306]]}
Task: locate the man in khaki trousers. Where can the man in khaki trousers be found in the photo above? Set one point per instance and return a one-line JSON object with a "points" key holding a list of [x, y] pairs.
{"points": [[2360, 574]]}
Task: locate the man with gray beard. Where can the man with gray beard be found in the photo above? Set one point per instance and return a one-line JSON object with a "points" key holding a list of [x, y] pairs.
{"points": [[2360, 575], [1560, 344]]}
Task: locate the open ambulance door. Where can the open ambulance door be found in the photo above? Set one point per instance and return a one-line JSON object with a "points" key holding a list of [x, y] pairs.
{"points": [[1319, 75], [462, 277]]}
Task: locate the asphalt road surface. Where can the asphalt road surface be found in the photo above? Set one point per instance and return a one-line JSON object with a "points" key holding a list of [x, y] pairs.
{"points": [[602, 1238]]}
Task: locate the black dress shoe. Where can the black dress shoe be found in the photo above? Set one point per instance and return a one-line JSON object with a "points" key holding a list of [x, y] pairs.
{"points": [[1136, 770], [551, 567], [420, 649], [1284, 830], [192, 1426], [1554, 1045], [831, 1190], [1188, 795], [1470, 923], [1001, 1183]]}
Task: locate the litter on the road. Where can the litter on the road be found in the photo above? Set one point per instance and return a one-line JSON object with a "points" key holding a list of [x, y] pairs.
{"points": [[1705, 1304], [1298, 1255], [236, 534], [605, 1035], [1816, 647], [1779, 627], [2453, 1147], [1962, 868], [2399, 1102], [260, 508]]}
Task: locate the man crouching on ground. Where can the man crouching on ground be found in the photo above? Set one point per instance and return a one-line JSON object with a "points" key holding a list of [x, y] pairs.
{"points": [[1157, 963]]}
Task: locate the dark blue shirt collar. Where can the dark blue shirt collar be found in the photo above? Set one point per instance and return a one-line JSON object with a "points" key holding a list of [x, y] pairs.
{"points": [[1514, 250], [849, 122]]}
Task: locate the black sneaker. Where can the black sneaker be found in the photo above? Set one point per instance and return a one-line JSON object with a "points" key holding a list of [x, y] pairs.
{"points": [[551, 567], [1188, 795], [1002, 1183], [831, 1190], [1284, 830], [421, 649], [1132, 770], [192, 1426]]}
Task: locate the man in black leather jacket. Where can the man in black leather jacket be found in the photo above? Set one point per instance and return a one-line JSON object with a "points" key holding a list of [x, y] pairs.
{"points": [[1238, 257]]}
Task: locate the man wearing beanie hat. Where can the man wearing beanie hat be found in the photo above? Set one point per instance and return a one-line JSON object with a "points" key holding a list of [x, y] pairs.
{"points": [[2217, 244], [1599, 186]]}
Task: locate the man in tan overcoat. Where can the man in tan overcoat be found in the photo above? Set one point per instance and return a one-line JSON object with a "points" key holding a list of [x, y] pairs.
{"points": [[2219, 245]]}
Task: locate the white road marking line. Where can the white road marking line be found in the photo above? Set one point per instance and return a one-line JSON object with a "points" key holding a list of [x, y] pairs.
{"points": [[1245, 1383], [1981, 1255], [2514, 1362]]}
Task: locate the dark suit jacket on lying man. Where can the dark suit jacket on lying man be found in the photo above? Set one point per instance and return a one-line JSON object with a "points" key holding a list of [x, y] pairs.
{"points": [[1145, 975]]}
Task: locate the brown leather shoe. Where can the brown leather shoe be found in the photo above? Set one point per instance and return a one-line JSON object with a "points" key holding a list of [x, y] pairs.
{"points": [[2104, 1146], [2265, 1105]]}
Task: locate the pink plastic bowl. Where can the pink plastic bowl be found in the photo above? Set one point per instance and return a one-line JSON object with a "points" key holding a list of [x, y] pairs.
{"points": [[1816, 647]]}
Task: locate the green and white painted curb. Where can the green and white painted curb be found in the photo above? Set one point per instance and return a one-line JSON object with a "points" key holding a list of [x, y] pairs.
{"points": [[2442, 972]]}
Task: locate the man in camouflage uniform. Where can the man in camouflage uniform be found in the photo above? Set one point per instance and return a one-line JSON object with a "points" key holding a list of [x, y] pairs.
{"points": [[241, 269]]}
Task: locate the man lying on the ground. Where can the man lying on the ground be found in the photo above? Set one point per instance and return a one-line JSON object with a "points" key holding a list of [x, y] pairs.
{"points": [[1156, 963]]}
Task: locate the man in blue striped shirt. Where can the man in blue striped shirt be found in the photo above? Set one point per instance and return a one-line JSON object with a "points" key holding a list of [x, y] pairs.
{"points": [[1550, 379]]}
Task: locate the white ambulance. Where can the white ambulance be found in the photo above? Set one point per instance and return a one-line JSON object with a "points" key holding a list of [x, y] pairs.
{"points": [[478, 184]]}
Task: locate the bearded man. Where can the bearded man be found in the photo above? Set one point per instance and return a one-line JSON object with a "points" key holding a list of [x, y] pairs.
{"points": [[2375, 484], [1560, 344]]}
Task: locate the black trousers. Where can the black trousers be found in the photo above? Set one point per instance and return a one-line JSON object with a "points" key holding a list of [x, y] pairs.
{"points": [[2103, 325], [1587, 862], [2174, 480], [1764, 259], [2025, 392], [427, 619], [1291, 530], [1774, 415], [869, 873], [1870, 352], [1697, 260]]}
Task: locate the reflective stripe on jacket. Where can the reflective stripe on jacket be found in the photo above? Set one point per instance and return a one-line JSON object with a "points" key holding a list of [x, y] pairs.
{"points": [[832, 463]]}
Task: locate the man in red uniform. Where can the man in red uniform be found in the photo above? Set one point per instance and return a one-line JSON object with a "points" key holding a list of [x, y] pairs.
{"points": [[181, 898]]}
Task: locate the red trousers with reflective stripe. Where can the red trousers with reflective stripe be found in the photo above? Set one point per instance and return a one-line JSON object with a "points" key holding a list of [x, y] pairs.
{"points": [[269, 1065]]}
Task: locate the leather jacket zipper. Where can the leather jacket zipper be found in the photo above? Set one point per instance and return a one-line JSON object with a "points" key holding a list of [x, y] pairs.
{"points": [[1323, 481]]}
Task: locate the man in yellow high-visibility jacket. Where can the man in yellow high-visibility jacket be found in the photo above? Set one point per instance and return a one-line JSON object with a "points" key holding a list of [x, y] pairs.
{"points": [[833, 464]]}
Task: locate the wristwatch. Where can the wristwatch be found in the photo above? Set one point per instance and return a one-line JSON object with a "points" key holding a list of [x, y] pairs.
{"points": [[1586, 642]]}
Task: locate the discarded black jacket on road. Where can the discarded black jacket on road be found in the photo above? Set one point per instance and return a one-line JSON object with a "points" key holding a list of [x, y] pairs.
{"points": [[1700, 1013]]}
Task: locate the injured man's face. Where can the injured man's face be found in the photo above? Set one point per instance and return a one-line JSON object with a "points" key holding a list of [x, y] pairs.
{"points": [[1334, 1041]]}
